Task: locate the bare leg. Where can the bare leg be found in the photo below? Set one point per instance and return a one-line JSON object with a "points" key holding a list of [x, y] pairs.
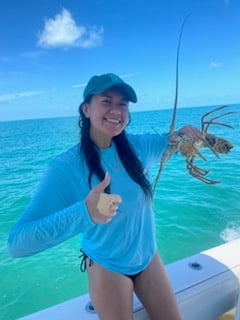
{"points": [[111, 293], [154, 290]]}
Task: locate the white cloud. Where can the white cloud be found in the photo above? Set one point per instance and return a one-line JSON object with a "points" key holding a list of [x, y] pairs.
{"points": [[92, 37], [81, 85], [13, 96], [215, 64], [128, 75], [62, 31]]}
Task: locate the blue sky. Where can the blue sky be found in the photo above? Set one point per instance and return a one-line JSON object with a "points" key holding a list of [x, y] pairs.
{"points": [[49, 50]]}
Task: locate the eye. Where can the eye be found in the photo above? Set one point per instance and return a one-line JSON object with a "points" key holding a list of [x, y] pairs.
{"points": [[124, 105], [106, 101]]}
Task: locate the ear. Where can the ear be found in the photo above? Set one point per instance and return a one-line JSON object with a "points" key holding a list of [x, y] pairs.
{"points": [[85, 109]]}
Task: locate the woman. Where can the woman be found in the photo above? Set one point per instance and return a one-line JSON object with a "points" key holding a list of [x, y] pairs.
{"points": [[118, 241]]}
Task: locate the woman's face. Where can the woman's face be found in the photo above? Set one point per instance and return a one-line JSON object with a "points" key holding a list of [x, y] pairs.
{"points": [[108, 114]]}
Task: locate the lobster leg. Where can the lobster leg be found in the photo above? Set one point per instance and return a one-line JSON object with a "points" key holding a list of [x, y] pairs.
{"points": [[199, 173], [194, 169], [165, 157], [203, 179]]}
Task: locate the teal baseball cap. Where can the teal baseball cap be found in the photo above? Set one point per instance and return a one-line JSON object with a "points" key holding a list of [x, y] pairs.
{"points": [[100, 83]]}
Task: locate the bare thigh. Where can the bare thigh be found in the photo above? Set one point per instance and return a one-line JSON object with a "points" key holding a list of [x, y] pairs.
{"points": [[154, 290], [111, 293]]}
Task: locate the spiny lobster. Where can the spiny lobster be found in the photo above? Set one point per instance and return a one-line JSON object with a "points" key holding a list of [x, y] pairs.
{"points": [[190, 148]]}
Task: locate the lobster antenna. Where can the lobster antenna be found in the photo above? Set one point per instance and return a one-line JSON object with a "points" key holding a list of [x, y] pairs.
{"points": [[172, 126]]}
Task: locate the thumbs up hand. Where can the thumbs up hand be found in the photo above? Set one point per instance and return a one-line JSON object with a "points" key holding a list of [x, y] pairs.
{"points": [[102, 207]]}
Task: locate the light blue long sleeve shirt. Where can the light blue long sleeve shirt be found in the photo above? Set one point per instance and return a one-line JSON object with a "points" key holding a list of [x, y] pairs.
{"points": [[58, 211]]}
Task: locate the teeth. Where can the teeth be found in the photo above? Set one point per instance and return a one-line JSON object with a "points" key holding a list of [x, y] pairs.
{"points": [[113, 120]]}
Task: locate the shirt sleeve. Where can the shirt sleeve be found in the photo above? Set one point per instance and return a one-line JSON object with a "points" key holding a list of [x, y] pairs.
{"points": [[53, 216], [150, 147]]}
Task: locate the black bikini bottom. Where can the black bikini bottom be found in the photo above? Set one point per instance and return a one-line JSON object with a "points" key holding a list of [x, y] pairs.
{"points": [[83, 265]]}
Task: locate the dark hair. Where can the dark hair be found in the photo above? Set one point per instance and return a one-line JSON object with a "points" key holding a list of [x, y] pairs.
{"points": [[125, 152]]}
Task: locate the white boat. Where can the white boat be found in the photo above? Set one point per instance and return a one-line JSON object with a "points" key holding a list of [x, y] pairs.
{"points": [[206, 286]]}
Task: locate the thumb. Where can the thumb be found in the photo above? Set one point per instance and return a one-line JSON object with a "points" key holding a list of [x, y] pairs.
{"points": [[102, 185]]}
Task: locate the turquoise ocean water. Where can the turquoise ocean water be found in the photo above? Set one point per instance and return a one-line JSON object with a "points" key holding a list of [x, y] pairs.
{"points": [[190, 216]]}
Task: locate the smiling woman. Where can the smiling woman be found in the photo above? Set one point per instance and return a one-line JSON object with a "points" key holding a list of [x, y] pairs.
{"points": [[108, 96], [47, 55], [108, 113], [83, 193]]}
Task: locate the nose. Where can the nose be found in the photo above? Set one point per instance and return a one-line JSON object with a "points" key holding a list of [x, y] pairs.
{"points": [[115, 109]]}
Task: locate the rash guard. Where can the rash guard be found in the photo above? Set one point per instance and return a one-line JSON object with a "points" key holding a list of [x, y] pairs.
{"points": [[58, 210]]}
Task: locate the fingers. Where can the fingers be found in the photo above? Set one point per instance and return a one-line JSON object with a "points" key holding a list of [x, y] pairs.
{"points": [[108, 204], [112, 211], [102, 207], [102, 185]]}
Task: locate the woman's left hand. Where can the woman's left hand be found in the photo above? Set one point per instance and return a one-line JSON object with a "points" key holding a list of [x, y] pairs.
{"points": [[190, 131]]}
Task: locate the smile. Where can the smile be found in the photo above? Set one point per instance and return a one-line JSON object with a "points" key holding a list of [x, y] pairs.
{"points": [[114, 121]]}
